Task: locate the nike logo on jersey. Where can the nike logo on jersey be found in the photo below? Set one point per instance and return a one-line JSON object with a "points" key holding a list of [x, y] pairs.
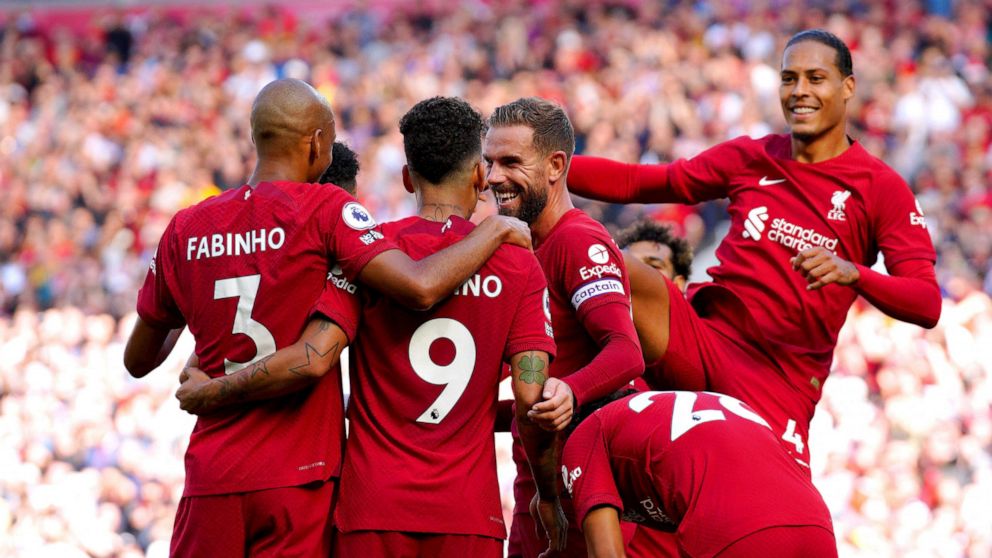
{"points": [[765, 181]]}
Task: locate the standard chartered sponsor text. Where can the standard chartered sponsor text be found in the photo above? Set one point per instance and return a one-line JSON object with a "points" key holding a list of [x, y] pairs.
{"points": [[797, 237]]}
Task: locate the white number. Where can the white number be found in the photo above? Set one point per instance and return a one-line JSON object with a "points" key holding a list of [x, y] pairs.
{"points": [[685, 419], [793, 437], [454, 376], [245, 288]]}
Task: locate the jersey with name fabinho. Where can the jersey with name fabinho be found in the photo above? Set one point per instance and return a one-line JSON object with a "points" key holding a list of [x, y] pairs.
{"points": [[242, 270], [420, 455], [585, 270], [702, 465], [853, 205]]}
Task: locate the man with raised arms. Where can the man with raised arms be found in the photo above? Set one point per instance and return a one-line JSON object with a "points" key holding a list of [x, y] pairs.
{"points": [[810, 212]]}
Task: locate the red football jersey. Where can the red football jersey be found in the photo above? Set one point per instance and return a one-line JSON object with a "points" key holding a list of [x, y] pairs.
{"points": [[701, 464], [854, 205], [584, 269], [243, 270], [420, 454]]}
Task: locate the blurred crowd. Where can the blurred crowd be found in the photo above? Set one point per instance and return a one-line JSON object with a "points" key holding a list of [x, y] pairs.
{"points": [[110, 124]]}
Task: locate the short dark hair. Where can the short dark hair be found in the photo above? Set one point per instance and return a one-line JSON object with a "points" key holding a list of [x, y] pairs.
{"points": [[344, 168], [552, 129], [653, 231], [583, 411], [440, 135], [824, 37]]}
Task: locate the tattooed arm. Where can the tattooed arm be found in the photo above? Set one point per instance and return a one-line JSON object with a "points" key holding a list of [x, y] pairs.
{"points": [[530, 372], [288, 370]]}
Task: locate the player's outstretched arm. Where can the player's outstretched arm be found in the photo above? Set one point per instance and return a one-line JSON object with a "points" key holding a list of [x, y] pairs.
{"points": [[288, 370], [612, 181], [147, 347], [422, 284], [530, 373], [604, 539]]}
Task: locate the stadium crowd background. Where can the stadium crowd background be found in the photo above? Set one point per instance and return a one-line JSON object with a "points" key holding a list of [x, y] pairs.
{"points": [[110, 123]]}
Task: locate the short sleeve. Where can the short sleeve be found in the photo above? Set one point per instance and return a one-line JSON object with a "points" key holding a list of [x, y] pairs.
{"points": [[350, 233], [900, 226], [586, 470], [592, 271], [340, 303], [156, 303], [531, 329]]}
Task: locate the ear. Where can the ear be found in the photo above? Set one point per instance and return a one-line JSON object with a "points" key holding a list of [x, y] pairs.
{"points": [[407, 183], [849, 83], [314, 141], [479, 178], [557, 165], [679, 282]]}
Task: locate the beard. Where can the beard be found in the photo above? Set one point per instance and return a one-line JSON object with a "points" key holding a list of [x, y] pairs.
{"points": [[532, 204]]}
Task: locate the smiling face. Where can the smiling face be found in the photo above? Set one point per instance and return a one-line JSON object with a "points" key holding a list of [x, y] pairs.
{"points": [[516, 171], [813, 92]]}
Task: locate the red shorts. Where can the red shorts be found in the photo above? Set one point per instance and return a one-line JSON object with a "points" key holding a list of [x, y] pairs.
{"points": [[652, 543], [713, 354], [397, 544], [291, 521], [805, 541]]}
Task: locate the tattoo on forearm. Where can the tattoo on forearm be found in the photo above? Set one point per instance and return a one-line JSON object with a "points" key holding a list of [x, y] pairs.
{"points": [[310, 352], [261, 367], [532, 370], [324, 325]]}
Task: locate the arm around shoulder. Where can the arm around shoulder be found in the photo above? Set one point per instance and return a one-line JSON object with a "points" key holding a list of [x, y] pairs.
{"points": [[421, 284]]}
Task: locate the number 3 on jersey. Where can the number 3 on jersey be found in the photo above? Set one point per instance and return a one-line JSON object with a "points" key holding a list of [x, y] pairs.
{"points": [[454, 376], [245, 288]]}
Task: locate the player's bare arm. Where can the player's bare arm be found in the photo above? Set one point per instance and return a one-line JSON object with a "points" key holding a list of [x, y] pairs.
{"points": [[147, 347], [530, 375], [821, 267], [649, 299], [288, 370], [422, 284], [601, 527]]}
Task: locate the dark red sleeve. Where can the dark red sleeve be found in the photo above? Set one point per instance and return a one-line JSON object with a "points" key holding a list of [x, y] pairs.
{"points": [[909, 294], [340, 305], [606, 180], [586, 470], [900, 228], [703, 177], [531, 326], [350, 233], [619, 360], [156, 304]]}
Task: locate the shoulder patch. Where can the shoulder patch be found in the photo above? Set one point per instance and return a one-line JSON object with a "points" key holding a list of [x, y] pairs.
{"points": [[357, 217]]}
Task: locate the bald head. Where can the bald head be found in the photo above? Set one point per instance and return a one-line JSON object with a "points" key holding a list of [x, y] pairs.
{"points": [[286, 114]]}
